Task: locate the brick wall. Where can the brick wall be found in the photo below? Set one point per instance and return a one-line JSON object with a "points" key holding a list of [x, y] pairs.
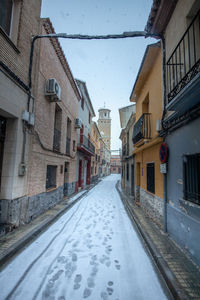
{"points": [[15, 51], [50, 66]]}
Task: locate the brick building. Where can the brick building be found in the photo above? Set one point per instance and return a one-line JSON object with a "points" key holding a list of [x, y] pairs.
{"points": [[19, 20], [96, 159], [53, 155], [85, 147], [115, 164]]}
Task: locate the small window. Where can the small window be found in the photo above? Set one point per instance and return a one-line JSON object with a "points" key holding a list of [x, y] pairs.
{"points": [[127, 172], [151, 178], [74, 146], [89, 118], [51, 176], [191, 169], [82, 103], [6, 15]]}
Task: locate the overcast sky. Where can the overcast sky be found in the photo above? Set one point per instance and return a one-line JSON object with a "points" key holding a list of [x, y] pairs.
{"points": [[109, 67]]}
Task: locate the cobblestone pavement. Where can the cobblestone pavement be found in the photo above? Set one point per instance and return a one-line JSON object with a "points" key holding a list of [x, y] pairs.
{"points": [[181, 274]]}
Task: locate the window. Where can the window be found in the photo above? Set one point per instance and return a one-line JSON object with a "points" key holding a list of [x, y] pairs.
{"points": [[51, 176], [191, 177], [89, 118], [127, 172], [57, 128], [68, 138], [2, 139], [151, 177], [82, 103], [74, 146], [6, 15]]}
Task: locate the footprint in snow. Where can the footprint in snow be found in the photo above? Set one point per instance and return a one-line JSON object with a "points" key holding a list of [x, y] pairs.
{"points": [[87, 292]]}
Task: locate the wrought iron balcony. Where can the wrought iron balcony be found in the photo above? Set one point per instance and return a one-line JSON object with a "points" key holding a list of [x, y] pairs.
{"points": [[142, 128], [68, 143], [125, 150], [183, 70], [56, 139], [103, 161], [85, 145]]}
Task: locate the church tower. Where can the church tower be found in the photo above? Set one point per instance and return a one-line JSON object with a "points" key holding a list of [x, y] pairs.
{"points": [[104, 125]]}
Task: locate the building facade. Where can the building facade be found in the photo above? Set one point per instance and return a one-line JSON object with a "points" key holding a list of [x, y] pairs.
{"points": [[19, 20], [105, 158], [85, 147], [115, 164], [54, 136], [181, 121], [147, 93], [127, 120], [96, 159]]}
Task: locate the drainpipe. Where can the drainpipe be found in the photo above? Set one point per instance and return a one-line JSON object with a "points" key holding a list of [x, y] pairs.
{"points": [[163, 125]]}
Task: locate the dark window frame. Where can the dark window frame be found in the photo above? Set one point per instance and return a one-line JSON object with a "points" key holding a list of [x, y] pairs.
{"points": [[150, 177], [6, 16], [51, 176], [191, 178], [127, 172]]}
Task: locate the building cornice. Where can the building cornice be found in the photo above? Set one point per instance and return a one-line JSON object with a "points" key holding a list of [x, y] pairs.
{"points": [[60, 54], [83, 83], [159, 16], [153, 142]]}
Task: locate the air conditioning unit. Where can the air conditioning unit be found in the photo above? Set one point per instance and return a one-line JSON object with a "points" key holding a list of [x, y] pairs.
{"points": [[158, 125], [52, 90], [78, 123]]}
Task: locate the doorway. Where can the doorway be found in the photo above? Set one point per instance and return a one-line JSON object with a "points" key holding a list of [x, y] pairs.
{"points": [[138, 165], [132, 181], [80, 174], [66, 179], [88, 172], [2, 140]]}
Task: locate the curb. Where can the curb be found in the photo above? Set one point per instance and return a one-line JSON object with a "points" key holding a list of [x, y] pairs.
{"points": [[16, 247], [169, 278]]}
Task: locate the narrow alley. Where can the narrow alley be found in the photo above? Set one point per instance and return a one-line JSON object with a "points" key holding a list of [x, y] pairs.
{"points": [[92, 251]]}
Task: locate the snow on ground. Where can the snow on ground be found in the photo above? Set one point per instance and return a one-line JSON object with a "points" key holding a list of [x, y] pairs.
{"points": [[91, 252]]}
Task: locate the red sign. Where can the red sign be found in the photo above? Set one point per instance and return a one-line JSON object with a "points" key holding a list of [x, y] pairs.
{"points": [[163, 153]]}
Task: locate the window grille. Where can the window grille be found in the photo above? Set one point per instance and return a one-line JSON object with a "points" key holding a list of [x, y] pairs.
{"points": [[51, 176], [151, 177], [127, 172], [191, 177]]}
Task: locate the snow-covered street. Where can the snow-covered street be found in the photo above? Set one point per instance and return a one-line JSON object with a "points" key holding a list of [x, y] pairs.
{"points": [[92, 252]]}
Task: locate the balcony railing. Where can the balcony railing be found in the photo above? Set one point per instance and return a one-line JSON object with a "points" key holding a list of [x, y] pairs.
{"points": [[125, 150], [56, 140], [103, 161], [68, 143], [142, 128], [85, 143], [184, 63]]}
